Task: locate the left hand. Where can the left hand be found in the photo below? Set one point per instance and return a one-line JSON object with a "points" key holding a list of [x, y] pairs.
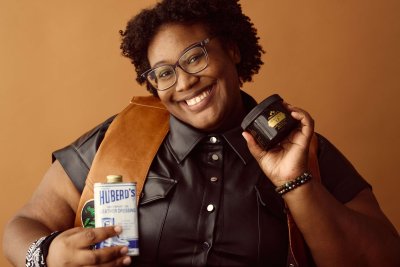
{"points": [[289, 159]]}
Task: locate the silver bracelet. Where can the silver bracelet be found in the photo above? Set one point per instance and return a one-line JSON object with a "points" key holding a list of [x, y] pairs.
{"points": [[38, 250], [289, 186]]}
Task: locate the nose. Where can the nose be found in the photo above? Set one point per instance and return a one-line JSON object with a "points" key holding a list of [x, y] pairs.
{"points": [[184, 80]]}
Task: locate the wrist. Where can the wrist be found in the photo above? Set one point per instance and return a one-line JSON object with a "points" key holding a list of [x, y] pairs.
{"points": [[38, 251], [293, 184]]}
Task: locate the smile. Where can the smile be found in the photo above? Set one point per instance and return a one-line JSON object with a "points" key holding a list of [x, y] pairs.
{"points": [[199, 98]]}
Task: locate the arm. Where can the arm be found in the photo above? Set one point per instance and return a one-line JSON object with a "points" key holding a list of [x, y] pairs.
{"points": [[52, 207], [354, 234]]}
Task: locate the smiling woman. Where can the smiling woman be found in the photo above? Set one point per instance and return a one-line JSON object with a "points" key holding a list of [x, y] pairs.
{"points": [[208, 194]]}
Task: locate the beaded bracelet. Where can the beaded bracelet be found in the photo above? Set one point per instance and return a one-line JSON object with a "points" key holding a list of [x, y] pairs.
{"points": [[289, 186], [38, 250]]}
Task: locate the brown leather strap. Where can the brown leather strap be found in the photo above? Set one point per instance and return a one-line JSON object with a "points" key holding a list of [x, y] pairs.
{"points": [[129, 146], [298, 255]]}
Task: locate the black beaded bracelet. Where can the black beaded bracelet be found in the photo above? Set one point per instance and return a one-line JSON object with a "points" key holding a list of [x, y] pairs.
{"points": [[38, 250], [289, 186]]}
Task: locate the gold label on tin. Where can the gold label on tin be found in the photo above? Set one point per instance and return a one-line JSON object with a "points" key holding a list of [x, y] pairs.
{"points": [[275, 118]]}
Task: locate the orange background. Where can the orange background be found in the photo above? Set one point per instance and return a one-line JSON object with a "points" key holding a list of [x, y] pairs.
{"points": [[61, 73]]}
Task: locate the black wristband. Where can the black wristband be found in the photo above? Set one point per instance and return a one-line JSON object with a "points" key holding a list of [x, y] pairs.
{"points": [[289, 186], [38, 250]]}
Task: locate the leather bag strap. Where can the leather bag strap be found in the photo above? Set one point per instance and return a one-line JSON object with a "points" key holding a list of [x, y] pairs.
{"points": [[129, 146]]}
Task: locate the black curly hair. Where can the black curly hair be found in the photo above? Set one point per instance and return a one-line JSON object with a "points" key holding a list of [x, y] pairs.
{"points": [[223, 18]]}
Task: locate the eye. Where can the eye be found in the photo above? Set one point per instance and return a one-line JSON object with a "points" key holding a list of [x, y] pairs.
{"points": [[194, 58], [164, 73]]}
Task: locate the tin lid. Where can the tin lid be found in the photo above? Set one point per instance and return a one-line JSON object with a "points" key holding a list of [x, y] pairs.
{"points": [[114, 178], [253, 114]]}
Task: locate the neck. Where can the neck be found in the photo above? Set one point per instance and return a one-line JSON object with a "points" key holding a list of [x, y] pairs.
{"points": [[233, 119]]}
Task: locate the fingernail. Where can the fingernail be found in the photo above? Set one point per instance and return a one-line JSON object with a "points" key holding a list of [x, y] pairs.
{"points": [[126, 260], [244, 136], [118, 229], [124, 250]]}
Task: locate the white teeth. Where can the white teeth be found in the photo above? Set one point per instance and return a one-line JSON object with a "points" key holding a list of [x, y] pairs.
{"points": [[197, 99]]}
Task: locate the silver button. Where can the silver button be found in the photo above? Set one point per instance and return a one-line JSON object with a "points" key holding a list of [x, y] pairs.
{"points": [[213, 179], [214, 157], [213, 139], [206, 245], [210, 207]]}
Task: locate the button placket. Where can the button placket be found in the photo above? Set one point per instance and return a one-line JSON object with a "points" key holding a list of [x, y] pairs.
{"points": [[212, 195]]}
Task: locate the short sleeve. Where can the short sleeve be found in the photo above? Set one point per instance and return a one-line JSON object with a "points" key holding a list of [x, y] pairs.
{"points": [[337, 174], [77, 158]]}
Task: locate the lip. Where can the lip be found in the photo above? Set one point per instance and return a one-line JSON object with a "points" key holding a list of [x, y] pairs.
{"points": [[199, 106]]}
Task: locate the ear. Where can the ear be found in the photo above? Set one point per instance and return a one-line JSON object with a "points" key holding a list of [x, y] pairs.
{"points": [[234, 52]]}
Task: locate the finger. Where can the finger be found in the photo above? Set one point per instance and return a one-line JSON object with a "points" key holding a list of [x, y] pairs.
{"points": [[307, 123], [254, 148], [301, 114], [109, 256], [123, 261], [90, 236]]}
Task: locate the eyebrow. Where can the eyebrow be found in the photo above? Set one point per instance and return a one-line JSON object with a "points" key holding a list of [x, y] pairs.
{"points": [[160, 63]]}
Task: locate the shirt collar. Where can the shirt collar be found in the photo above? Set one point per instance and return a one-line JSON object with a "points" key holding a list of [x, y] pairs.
{"points": [[182, 138]]}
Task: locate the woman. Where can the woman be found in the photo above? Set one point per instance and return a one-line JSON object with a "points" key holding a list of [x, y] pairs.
{"points": [[209, 197]]}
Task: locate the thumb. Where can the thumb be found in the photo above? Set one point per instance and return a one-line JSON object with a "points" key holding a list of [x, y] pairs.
{"points": [[254, 148]]}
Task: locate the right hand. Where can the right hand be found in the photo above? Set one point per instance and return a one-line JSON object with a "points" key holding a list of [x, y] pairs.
{"points": [[288, 160], [72, 248]]}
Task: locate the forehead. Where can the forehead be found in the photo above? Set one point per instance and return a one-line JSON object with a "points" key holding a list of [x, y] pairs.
{"points": [[171, 39]]}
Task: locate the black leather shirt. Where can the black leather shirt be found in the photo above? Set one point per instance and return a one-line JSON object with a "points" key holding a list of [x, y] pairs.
{"points": [[206, 202], [220, 210]]}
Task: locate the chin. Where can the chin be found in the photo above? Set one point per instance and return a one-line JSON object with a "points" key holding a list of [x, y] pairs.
{"points": [[204, 122], [203, 126]]}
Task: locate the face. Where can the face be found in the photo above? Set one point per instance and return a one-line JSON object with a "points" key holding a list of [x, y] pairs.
{"points": [[209, 100]]}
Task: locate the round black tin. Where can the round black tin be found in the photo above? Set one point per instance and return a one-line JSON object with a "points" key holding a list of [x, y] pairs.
{"points": [[269, 122]]}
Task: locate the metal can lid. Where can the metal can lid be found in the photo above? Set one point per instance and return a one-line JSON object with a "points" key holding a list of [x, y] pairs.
{"points": [[255, 112], [113, 178]]}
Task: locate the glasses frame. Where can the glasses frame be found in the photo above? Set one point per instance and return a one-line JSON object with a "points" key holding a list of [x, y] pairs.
{"points": [[201, 44]]}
